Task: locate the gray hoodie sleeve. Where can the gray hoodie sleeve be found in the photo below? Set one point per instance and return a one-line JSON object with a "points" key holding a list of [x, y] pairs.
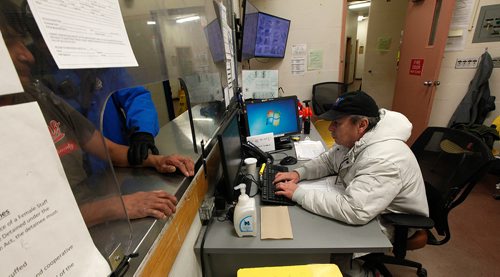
{"points": [[366, 196]]}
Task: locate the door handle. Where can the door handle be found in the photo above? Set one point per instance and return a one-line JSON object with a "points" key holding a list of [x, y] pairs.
{"points": [[431, 83]]}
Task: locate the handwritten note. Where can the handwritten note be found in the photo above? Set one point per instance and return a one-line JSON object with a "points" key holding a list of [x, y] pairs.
{"points": [[265, 141]]}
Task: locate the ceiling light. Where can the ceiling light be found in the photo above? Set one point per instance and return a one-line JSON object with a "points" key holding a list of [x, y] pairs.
{"points": [[359, 5], [187, 19], [150, 22]]}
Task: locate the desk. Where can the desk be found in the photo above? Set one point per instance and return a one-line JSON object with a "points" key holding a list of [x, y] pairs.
{"points": [[314, 238]]}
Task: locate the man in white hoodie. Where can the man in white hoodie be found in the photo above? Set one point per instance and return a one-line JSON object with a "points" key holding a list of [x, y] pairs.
{"points": [[375, 170]]}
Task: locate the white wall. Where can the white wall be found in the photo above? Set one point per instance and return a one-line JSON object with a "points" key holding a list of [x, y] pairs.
{"points": [[317, 23], [186, 264], [454, 82]]}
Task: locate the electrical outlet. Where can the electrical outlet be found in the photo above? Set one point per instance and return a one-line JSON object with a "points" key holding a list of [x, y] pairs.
{"points": [[496, 62], [463, 63]]}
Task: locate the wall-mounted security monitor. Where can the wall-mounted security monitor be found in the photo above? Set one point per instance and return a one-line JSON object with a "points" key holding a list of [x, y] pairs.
{"points": [[264, 35], [213, 33], [272, 35], [249, 31]]}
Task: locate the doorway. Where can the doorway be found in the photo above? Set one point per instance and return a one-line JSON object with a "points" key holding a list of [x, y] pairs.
{"points": [[355, 30]]}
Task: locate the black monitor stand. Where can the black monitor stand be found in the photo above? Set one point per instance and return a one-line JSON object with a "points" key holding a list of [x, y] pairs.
{"points": [[283, 143]]}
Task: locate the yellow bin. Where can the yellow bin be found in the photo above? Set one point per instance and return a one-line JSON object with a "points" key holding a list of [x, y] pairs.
{"points": [[311, 270]]}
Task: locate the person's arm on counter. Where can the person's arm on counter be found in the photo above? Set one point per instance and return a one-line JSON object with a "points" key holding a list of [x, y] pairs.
{"points": [[158, 204], [118, 155]]}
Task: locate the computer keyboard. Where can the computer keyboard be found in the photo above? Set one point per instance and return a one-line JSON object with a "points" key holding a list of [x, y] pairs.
{"points": [[267, 189]]}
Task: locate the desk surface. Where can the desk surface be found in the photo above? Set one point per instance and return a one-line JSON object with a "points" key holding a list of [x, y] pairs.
{"points": [[311, 234]]}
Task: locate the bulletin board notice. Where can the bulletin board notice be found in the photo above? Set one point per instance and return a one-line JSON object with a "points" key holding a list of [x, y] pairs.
{"points": [[42, 232]]}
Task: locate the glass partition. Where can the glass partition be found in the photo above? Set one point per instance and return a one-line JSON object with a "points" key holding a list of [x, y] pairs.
{"points": [[178, 70]]}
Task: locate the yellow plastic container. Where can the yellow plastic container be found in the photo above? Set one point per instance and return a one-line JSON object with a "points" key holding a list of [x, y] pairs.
{"points": [[311, 270]]}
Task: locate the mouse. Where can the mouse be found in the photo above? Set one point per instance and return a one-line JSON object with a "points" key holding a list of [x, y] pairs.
{"points": [[289, 160]]}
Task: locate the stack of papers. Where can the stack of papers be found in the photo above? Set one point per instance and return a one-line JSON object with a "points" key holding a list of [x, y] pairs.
{"points": [[324, 184], [308, 149]]}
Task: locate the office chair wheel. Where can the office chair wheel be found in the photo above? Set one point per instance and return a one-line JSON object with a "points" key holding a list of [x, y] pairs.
{"points": [[421, 272]]}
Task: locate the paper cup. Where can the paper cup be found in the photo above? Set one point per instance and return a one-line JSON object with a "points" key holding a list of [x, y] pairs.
{"points": [[251, 167]]}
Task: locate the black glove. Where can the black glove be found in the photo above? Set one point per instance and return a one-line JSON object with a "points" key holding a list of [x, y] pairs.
{"points": [[140, 144]]}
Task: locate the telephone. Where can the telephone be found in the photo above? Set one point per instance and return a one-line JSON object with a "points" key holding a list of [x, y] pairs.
{"points": [[250, 149]]}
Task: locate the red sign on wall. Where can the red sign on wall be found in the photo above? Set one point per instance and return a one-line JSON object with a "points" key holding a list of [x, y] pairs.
{"points": [[416, 66]]}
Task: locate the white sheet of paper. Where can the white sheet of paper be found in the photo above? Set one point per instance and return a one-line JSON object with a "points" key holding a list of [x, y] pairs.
{"points": [[264, 141], [227, 97], [308, 149], [42, 232], [323, 184], [9, 82], [83, 34], [260, 84]]}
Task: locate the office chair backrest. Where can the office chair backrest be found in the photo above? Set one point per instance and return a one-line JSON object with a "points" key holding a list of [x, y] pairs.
{"points": [[325, 94], [452, 162]]}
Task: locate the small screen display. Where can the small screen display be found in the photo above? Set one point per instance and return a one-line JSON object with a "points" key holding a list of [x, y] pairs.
{"points": [[278, 116], [272, 35]]}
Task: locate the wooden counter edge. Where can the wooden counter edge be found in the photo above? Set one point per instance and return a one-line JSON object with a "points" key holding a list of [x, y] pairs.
{"points": [[161, 258]]}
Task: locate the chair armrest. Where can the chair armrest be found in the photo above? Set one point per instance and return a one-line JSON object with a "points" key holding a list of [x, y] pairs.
{"points": [[409, 220]]}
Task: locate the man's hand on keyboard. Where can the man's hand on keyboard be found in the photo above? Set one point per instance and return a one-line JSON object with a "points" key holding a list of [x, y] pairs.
{"points": [[286, 188], [292, 176]]}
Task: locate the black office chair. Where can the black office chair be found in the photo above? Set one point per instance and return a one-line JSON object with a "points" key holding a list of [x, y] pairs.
{"points": [[325, 94], [452, 162]]}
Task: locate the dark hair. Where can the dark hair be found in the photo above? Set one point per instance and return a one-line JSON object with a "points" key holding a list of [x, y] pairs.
{"points": [[11, 18]]}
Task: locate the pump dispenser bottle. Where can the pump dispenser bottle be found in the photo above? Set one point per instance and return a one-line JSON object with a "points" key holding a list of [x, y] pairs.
{"points": [[245, 215]]}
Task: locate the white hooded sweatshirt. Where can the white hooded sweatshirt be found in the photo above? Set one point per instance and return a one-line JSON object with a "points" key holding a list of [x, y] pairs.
{"points": [[380, 174]]}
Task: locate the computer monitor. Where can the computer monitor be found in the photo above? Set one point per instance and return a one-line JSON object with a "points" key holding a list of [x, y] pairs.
{"points": [[231, 156], [263, 35], [213, 33], [272, 35], [249, 31], [279, 116]]}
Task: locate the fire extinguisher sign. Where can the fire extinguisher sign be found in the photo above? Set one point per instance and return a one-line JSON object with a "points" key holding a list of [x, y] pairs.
{"points": [[416, 66]]}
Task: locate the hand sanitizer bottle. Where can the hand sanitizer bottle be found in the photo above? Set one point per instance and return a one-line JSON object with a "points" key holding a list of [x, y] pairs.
{"points": [[245, 216]]}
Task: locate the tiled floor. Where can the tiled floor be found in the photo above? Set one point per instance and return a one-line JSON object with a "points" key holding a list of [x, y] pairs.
{"points": [[474, 248]]}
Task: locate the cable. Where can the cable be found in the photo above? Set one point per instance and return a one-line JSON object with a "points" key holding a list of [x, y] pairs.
{"points": [[252, 179], [282, 91], [202, 259]]}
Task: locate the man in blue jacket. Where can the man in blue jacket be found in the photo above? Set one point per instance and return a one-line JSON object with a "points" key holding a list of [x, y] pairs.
{"points": [[129, 117]]}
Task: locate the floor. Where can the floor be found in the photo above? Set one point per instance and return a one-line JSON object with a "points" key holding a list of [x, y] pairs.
{"points": [[474, 248]]}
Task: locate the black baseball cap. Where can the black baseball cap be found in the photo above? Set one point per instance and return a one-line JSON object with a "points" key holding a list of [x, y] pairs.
{"points": [[352, 103]]}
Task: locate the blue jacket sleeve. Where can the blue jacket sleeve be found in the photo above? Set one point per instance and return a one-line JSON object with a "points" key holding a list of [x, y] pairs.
{"points": [[139, 109]]}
